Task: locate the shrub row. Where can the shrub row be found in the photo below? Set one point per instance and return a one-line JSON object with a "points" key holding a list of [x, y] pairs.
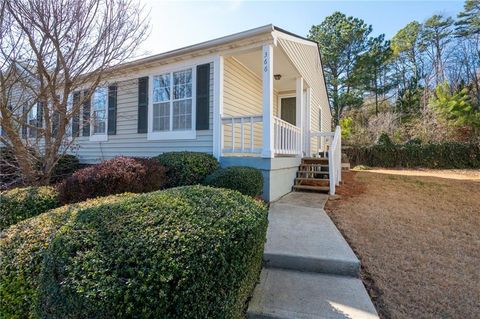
{"points": [[118, 175], [187, 168], [189, 252], [246, 180], [127, 174], [20, 203], [444, 155]]}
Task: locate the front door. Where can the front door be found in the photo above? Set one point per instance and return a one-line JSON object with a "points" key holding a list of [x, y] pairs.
{"points": [[288, 109]]}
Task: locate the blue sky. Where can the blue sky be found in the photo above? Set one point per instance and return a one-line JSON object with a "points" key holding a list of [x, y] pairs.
{"points": [[175, 24]]}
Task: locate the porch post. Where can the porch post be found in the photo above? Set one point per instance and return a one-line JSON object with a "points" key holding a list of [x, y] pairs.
{"points": [[308, 122], [299, 111], [267, 83], [218, 107]]}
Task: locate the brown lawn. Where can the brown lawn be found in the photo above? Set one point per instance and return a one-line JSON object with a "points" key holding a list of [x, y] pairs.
{"points": [[417, 234]]}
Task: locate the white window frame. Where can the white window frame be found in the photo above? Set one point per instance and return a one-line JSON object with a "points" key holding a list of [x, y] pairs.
{"points": [[98, 137], [31, 118], [171, 134], [280, 98]]}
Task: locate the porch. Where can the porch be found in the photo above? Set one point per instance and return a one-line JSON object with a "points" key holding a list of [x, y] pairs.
{"points": [[270, 113]]}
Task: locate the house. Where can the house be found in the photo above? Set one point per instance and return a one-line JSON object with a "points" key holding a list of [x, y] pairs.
{"points": [[255, 98]]}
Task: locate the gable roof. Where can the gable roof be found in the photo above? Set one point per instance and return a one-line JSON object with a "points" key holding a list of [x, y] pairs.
{"points": [[210, 44]]}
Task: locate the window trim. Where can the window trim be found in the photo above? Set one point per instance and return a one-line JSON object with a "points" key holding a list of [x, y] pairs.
{"points": [[98, 137], [282, 96], [171, 134]]}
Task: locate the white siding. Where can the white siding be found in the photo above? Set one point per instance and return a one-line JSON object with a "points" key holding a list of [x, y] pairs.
{"points": [[242, 95], [128, 142], [302, 56]]}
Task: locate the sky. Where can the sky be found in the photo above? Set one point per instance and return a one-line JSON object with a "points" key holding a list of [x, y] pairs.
{"points": [[175, 24]]}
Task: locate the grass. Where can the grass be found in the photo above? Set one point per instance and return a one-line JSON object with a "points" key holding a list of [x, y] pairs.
{"points": [[417, 234]]}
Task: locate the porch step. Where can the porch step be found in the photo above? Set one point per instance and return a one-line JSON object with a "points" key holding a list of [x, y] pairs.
{"points": [[315, 181], [313, 172], [312, 188], [314, 160], [314, 165]]}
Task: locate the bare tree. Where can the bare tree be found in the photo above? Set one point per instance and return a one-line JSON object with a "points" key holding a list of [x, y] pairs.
{"points": [[49, 50]]}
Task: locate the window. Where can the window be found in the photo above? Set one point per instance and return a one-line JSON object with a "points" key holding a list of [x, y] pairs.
{"points": [[99, 108], [98, 130], [32, 121], [172, 104]]}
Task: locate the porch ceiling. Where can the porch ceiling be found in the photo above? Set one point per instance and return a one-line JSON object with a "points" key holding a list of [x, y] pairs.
{"points": [[281, 65]]}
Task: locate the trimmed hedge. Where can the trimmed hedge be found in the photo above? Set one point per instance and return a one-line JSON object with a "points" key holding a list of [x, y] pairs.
{"points": [[246, 180], [190, 252], [187, 168], [22, 249], [21, 203], [118, 175], [444, 155]]}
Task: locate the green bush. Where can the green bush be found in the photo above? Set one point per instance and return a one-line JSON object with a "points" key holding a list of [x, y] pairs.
{"points": [[67, 164], [21, 203], [443, 155], [22, 249], [187, 168], [189, 252], [246, 180]]}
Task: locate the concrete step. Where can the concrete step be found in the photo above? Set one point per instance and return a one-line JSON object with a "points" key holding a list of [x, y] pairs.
{"points": [[305, 239], [291, 294], [311, 188]]}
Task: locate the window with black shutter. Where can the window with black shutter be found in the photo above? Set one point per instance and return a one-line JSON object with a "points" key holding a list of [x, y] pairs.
{"points": [[112, 110], [143, 105], [203, 97]]}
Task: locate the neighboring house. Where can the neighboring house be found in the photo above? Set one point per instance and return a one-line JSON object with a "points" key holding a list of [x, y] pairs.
{"points": [[256, 98]]}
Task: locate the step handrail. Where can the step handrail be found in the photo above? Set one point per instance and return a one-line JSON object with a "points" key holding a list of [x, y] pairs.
{"points": [[335, 160]]}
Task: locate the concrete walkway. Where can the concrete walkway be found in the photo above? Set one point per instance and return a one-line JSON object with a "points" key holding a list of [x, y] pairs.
{"points": [[310, 271]]}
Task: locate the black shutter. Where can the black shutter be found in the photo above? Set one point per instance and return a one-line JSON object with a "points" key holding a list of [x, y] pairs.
{"points": [[24, 121], [142, 104], [76, 115], [55, 122], [40, 106], [203, 97], [86, 116], [112, 110]]}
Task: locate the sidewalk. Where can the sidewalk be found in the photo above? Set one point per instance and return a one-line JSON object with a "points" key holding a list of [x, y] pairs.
{"points": [[310, 271]]}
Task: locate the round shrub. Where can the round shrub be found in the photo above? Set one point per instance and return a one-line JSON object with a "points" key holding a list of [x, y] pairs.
{"points": [[67, 164], [187, 168], [189, 252], [118, 175], [21, 203], [246, 180], [22, 249]]}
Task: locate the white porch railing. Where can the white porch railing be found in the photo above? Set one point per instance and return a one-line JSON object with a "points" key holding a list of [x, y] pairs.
{"points": [[288, 137], [243, 135], [335, 160], [244, 126], [330, 143]]}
